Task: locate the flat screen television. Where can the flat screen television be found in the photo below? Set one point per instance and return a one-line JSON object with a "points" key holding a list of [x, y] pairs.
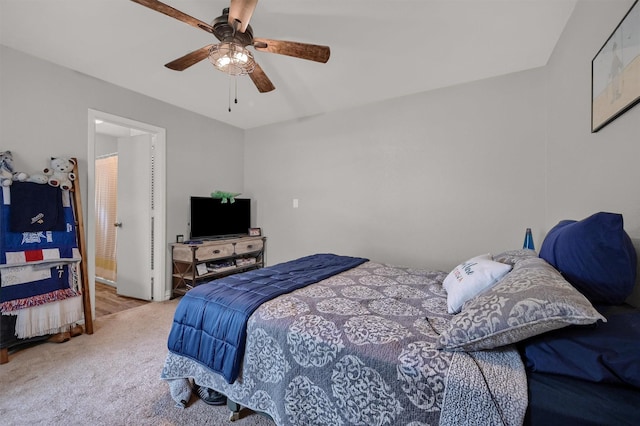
{"points": [[211, 218]]}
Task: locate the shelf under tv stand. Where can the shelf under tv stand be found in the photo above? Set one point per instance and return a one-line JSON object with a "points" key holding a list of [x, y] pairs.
{"points": [[206, 260]]}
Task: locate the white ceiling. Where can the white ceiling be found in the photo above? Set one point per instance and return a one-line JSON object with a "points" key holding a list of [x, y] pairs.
{"points": [[380, 49]]}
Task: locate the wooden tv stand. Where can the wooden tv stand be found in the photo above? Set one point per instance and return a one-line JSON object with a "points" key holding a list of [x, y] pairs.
{"points": [[194, 263]]}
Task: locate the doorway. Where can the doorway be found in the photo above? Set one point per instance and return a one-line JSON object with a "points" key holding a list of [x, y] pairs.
{"points": [[138, 260]]}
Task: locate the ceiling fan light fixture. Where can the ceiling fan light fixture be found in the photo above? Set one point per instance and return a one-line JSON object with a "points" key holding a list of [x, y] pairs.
{"points": [[232, 58]]}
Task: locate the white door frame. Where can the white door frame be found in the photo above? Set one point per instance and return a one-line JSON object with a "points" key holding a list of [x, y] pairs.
{"points": [[159, 235]]}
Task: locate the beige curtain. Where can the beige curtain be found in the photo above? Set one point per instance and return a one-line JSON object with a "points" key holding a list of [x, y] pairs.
{"points": [[106, 192]]}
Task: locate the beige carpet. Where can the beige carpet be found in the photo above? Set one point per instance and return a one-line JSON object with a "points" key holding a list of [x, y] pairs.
{"points": [[111, 377]]}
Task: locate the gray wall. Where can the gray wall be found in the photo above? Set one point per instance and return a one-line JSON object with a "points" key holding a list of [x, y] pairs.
{"points": [[44, 112], [425, 180], [590, 172], [431, 179], [106, 145], [586, 172]]}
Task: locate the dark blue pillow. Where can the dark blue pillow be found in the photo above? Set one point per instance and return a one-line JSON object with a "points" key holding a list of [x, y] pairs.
{"points": [[605, 352], [595, 255]]}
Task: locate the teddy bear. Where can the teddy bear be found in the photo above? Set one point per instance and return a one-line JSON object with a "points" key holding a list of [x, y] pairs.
{"points": [[6, 168], [7, 175], [60, 173], [38, 178]]}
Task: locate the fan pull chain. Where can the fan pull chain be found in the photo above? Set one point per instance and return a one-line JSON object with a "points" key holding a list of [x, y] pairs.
{"points": [[235, 82], [230, 92]]}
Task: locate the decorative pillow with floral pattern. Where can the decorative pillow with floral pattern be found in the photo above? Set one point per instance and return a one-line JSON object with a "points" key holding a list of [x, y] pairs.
{"points": [[530, 300], [511, 257]]}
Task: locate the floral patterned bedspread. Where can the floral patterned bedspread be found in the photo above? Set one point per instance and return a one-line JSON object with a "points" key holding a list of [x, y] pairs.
{"points": [[359, 348]]}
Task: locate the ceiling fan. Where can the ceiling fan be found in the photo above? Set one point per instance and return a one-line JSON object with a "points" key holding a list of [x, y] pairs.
{"points": [[233, 31]]}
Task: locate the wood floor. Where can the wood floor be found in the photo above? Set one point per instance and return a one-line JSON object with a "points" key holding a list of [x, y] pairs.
{"points": [[108, 302]]}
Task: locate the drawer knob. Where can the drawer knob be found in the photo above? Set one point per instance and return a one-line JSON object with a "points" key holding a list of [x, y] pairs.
{"points": [[216, 251], [250, 246]]}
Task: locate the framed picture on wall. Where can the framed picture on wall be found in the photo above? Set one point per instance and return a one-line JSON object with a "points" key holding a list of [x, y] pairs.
{"points": [[615, 72]]}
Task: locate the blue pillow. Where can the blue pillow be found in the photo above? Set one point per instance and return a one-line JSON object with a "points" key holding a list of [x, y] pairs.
{"points": [[595, 255], [606, 352]]}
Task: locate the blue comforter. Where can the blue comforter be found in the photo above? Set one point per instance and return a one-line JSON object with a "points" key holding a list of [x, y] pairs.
{"points": [[209, 325]]}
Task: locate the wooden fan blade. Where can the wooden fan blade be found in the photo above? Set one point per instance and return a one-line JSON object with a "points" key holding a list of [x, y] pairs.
{"points": [[241, 11], [175, 13], [261, 80], [312, 52], [189, 59]]}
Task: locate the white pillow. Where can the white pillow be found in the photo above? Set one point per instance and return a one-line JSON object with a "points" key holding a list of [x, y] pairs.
{"points": [[471, 278]]}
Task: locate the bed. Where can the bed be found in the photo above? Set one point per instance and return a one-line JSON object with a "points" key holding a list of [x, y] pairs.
{"points": [[589, 375], [380, 344]]}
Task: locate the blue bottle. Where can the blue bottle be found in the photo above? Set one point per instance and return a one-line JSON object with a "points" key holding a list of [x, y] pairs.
{"points": [[528, 240]]}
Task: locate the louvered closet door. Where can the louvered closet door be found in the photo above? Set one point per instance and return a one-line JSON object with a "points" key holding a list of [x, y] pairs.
{"points": [[135, 216]]}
